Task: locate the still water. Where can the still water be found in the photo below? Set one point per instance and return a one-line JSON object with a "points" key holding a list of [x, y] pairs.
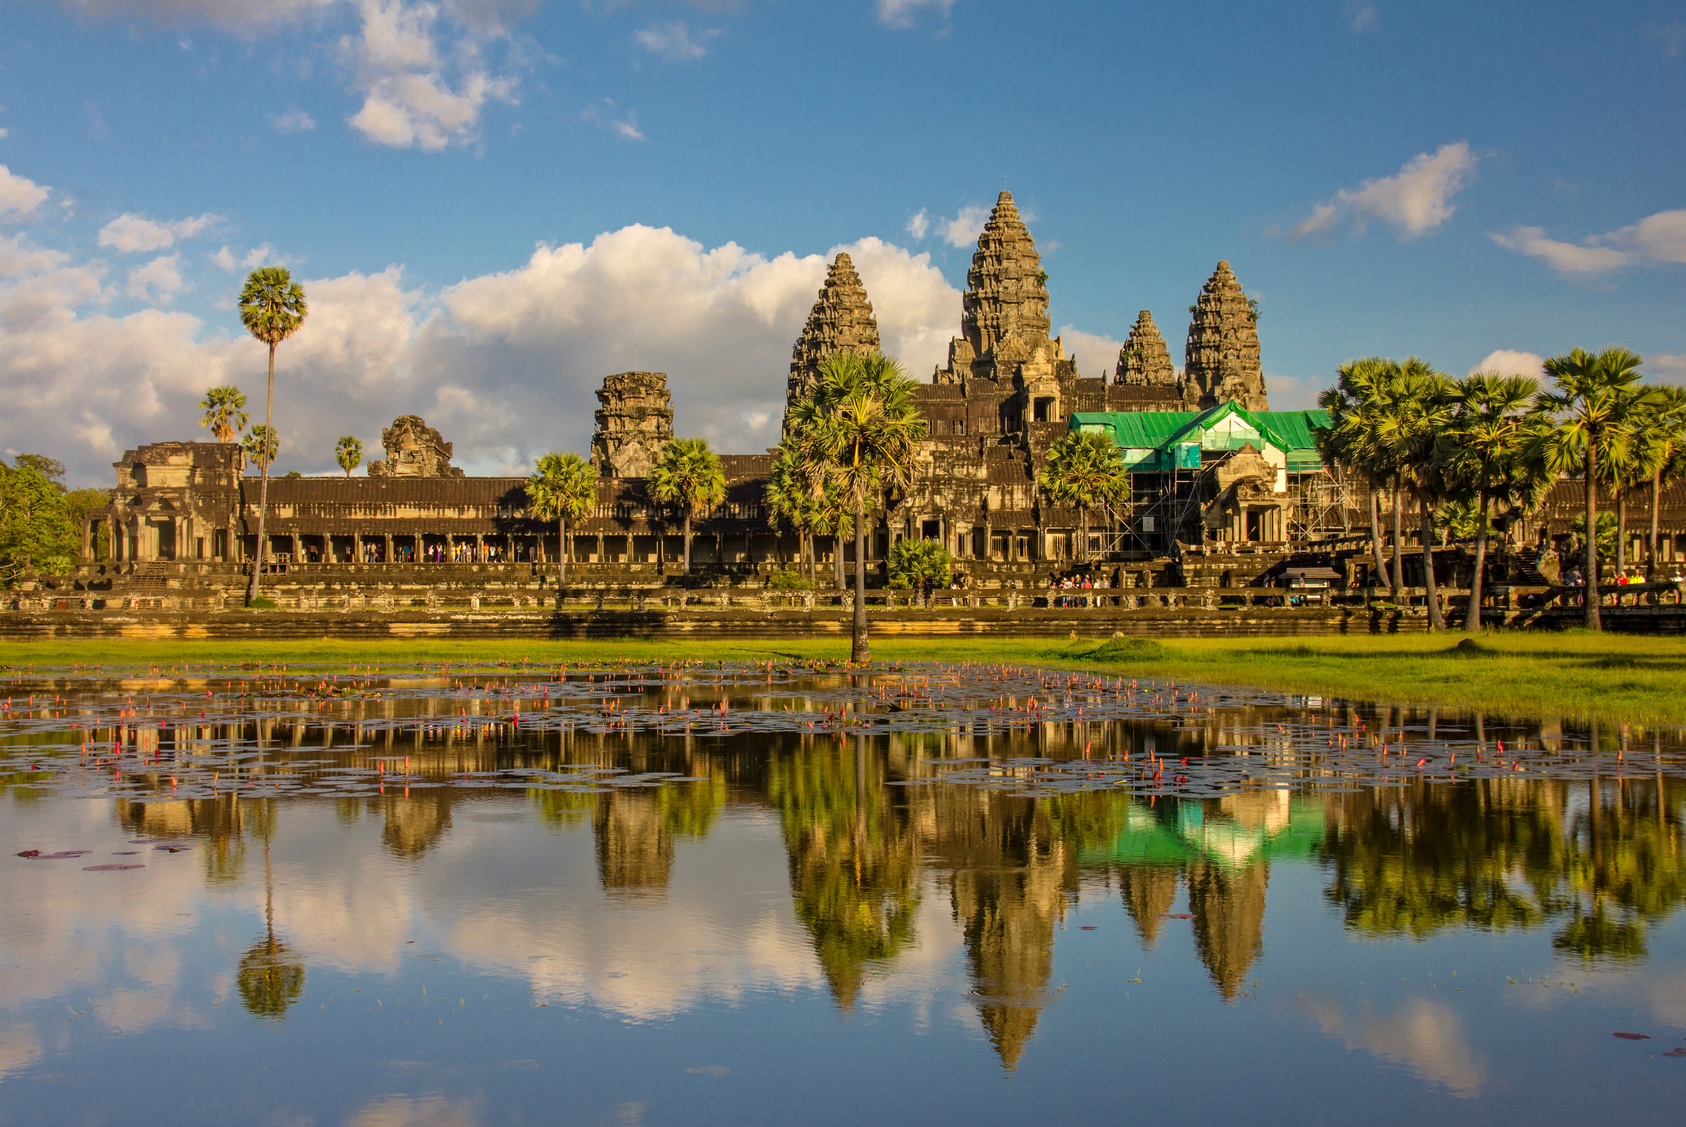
{"points": [[776, 894]]}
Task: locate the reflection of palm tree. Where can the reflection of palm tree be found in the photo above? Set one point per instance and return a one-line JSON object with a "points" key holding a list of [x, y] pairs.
{"points": [[271, 976]]}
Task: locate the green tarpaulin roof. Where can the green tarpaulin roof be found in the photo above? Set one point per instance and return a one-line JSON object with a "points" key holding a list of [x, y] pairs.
{"points": [[1292, 432]]}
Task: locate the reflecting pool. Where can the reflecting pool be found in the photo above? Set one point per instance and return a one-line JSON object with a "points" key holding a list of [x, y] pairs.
{"points": [[708, 894]]}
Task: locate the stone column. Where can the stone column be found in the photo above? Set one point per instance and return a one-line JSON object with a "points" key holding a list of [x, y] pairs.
{"points": [[388, 557], [479, 548]]}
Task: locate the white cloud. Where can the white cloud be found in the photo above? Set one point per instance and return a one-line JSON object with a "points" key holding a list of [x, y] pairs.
{"points": [[919, 224], [1507, 362], [901, 13], [4, 133], [293, 121], [130, 233], [963, 230], [1361, 17], [20, 194], [672, 41], [1659, 238], [1414, 201], [408, 99], [1426, 1038], [605, 116], [18, 258], [1094, 354], [1669, 368], [158, 282], [1673, 36]]}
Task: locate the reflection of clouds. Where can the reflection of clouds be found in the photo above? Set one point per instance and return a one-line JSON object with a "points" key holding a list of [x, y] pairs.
{"points": [[415, 1111], [1425, 1037], [18, 1049]]}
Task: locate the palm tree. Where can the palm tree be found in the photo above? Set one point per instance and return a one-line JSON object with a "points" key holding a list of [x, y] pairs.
{"points": [[348, 452], [262, 446], [272, 307], [1590, 422], [1482, 451], [563, 490], [1350, 439], [1085, 470], [790, 500], [833, 517], [1665, 452], [1421, 411], [861, 428], [688, 475], [225, 412]]}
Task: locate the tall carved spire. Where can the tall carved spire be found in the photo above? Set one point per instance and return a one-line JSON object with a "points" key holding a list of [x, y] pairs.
{"points": [[1222, 361], [1006, 290], [841, 321], [1144, 361]]}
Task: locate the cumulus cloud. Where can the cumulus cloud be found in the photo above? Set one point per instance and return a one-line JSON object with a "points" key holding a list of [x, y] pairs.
{"points": [[919, 224], [158, 282], [226, 259], [605, 116], [130, 233], [672, 41], [409, 99], [1507, 362], [902, 13], [293, 121], [1414, 201], [1656, 239], [1095, 355], [961, 230], [1669, 368], [20, 194]]}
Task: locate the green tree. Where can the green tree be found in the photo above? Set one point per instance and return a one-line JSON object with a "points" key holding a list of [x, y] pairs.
{"points": [[348, 452], [262, 446], [35, 528], [272, 307], [1085, 470], [1482, 452], [790, 500], [225, 412], [1363, 398], [920, 565], [564, 489], [1663, 451], [1587, 420], [1418, 411], [689, 476], [862, 428]]}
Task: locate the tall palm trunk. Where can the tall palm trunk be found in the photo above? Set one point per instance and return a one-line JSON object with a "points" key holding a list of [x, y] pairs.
{"points": [[1398, 540], [1656, 502], [1083, 530], [561, 558], [687, 540], [808, 540], [1593, 620], [837, 559], [263, 491], [1376, 538], [1472, 616], [1621, 530], [860, 651], [1431, 591]]}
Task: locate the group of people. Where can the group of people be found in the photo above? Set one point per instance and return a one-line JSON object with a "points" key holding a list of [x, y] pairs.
{"points": [[1076, 590]]}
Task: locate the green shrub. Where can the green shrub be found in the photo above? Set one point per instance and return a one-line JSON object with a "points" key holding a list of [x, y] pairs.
{"points": [[789, 581], [262, 603]]}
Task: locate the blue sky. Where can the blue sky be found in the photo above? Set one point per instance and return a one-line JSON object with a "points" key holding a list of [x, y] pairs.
{"points": [[494, 203]]}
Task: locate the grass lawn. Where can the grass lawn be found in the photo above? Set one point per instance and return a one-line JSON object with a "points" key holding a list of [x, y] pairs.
{"points": [[1571, 675]]}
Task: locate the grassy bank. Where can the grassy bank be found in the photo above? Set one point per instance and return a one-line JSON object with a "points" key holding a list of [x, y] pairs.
{"points": [[1605, 677]]}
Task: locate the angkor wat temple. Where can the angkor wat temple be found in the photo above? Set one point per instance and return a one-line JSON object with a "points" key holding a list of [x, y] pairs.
{"points": [[1225, 491]]}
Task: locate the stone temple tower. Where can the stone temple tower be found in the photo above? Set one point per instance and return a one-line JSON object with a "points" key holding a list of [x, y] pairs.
{"points": [[1004, 313], [634, 424], [1144, 361], [841, 321], [1222, 361]]}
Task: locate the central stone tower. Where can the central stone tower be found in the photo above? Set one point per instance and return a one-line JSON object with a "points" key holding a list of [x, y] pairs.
{"points": [[1222, 361]]}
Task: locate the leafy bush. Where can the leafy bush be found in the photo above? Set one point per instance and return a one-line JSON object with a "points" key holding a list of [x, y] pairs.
{"points": [[789, 581], [262, 603], [920, 565]]}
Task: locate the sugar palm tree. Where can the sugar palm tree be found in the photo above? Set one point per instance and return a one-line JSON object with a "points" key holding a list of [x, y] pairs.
{"points": [[348, 452], [1417, 414], [563, 489], [262, 446], [833, 517], [1589, 421], [1084, 470], [688, 475], [272, 307], [1665, 452], [790, 500], [1482, 451], [1349, 441], [225, 412], [860, 428]]}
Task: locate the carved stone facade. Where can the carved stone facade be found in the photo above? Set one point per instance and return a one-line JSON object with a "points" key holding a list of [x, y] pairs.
{"points": [[1221, 364], [413, 449], [841, 321], [1144, 361], [634, 424]]}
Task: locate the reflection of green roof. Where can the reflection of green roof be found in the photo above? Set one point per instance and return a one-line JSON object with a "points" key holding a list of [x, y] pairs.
{"points": [[1150, 839], [1155, 441]]}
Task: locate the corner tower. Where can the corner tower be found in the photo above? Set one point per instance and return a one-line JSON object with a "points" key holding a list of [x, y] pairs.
{"points": [[1222, 361]]}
